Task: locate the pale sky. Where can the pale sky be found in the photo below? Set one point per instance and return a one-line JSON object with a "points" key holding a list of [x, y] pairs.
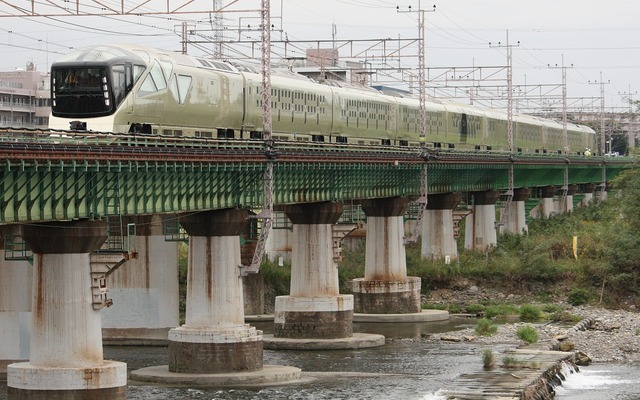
{"points": [[592, 38]]}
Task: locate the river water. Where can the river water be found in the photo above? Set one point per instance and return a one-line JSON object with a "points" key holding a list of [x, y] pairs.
{"points": [[405, 368]]}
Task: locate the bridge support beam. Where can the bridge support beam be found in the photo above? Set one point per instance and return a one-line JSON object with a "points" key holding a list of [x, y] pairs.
{"points": [[438, 239], [145, 289], [214, 338], [516, 218], [314, 308], [386, 288], [15, 304], [66, 359], [480, 231]]}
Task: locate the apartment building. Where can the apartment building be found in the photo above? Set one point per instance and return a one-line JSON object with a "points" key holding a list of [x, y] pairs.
{"points": [[25, 99]]}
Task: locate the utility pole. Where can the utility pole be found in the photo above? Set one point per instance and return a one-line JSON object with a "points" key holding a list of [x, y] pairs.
{"points": [[603, 181], [217, 25], [631, 133], [266, 215], [601, 147], [510, 191], [422, 118], [565, 137]]}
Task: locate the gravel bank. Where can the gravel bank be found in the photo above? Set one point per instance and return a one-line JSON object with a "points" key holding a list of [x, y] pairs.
{"points": [[613, 336]]}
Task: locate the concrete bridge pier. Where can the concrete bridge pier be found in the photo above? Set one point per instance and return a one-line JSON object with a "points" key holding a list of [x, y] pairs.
{"points": [[571, 191], [315, 315], [438, 239], [386, 288], [16, 278], [215, 347], [386, 293], [587, 189], [547, 206], [516, 218], [145, 289], [66, 359], [480, 228]]}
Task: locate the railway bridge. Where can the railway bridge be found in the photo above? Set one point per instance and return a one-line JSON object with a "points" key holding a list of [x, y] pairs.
{"points": [[76, 200]]}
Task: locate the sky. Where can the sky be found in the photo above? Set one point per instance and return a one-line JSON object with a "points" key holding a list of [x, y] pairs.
{"points": [[596, 42]]}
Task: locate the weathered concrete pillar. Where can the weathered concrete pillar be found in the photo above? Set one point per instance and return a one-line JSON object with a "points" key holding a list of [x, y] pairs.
{"points": [[516, 218], [314, 308], [66, 360], [437, 226], [386, 288], [145, 289], [571, 190], [214, 338], [480, 231], [587, 189], [547, 206], [16, 278], [279, 242], [601, 192]]}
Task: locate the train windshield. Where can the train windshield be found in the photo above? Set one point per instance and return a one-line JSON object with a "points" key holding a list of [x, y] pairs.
{"points": [[83, 91]]}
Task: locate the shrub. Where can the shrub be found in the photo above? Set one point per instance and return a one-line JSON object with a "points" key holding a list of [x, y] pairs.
{"points": [[527, 333], [529, 312], [500, 310], [485, 327], [475, 308], [488, 359], [564, 316], [552, 308], [510, 362], [578, 296]]}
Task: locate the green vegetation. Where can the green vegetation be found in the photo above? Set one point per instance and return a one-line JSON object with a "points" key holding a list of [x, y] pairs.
{"points": [[485, 327], [527, 333], [541, 264], [509, 361], [529, 312], [578, 296], [488, 359]]}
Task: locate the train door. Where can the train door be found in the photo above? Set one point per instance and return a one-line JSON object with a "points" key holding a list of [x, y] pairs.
{"points": [[464, 128]]}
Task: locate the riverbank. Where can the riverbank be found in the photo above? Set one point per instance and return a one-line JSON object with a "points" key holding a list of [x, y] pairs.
{"points": [[612, 337]]}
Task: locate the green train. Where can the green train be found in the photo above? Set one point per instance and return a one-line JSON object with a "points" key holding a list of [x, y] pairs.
{"points": [[128, 88]]}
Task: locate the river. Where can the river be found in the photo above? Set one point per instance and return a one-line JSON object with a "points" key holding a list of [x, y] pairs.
{"points": [[405, 368]]}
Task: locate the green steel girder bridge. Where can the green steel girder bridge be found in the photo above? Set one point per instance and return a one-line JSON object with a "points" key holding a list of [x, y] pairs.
{"points": [[48, 175]]}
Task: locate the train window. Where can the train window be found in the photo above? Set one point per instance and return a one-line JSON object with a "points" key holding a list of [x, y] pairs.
{"points": [[341, 139], [167, 68], [154, 82], [317, 138], [489, 147], [437, 145], [477, 147], [255, 135], [385, 142], [403, 143], [453, 146], [180, 87], [177, 132]]}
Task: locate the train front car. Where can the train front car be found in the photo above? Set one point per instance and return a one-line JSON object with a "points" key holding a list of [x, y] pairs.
{"points": [[88, 87]]}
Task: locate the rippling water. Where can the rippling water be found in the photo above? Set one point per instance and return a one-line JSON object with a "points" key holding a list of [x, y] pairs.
{"points": [[402, 369]]}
